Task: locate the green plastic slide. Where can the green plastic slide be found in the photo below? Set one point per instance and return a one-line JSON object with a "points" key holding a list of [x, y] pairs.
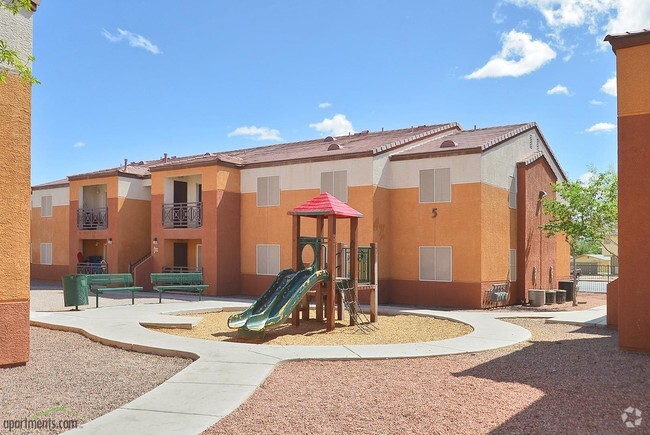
{"points": [[278, 304], [238, 320]]}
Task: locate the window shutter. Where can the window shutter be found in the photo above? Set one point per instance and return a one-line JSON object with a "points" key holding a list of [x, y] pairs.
{"points": [[442, 185], [327, 182], [341, 185], [426, 185], [46, 253], [261, 259], [443, 263], [274, 190], [46, 206], [262, 191], [427, 263]]}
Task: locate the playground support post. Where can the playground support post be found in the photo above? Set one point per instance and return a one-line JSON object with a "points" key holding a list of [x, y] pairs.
{"points": [[331, 269], [374, 292], [320, 225], [295, 261], [354, 259]]}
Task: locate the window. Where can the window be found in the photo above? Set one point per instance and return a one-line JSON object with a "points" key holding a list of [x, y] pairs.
{"points": [[46, 206], [46, 253], [335, 183], [512, 271], [512, 193], [268, 191], [268, 259], [435, 263], [435, 185]]}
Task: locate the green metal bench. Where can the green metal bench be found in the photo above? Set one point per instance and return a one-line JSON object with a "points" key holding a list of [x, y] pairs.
{"points": [[184, 282], [111, 282]]}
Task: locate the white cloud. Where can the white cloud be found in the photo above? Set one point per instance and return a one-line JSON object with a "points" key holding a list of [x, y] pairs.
{"points": [[596, 102], [133, 39], [519, 55], [559, 89], [586, 177], [631, 15], [600, 16], [257, 133], [324, 105], [338, 125], [601, 127], [610, 87], [79, 145]]}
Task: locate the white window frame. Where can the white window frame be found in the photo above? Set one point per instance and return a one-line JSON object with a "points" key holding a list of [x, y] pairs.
{"points": [[46, 206], [435, 200], [512, 191], [342, 196], [435, 253], [512, 265], [43, 245], [267, 195], [268, 270]]}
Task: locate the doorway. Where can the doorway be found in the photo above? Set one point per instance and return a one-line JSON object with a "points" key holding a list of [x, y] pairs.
{"points": [[180, 255]]}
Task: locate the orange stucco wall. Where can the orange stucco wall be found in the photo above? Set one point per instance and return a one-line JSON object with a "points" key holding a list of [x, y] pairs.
{"points": [[457, 224], [219, 234], [53, 230], [129, 229], [541, 263], [633, 189], [15, 134], [133, 233]]}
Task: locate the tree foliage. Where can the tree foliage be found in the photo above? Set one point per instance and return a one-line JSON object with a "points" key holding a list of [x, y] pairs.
{"points": [[584, 246], [583, 210], [8, 57]]}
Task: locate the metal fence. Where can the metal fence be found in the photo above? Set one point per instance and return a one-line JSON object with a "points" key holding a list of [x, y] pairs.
{"points": [[594, 278]]}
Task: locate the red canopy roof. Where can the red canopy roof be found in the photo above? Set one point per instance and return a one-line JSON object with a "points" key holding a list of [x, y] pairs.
{"points": [[325, 205]]}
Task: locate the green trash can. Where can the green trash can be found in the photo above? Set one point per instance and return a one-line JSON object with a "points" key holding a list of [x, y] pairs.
{"points": [[75, 290]]}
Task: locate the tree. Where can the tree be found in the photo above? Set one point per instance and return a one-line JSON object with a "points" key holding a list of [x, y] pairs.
{"points": [[583, 211], [584, 246], [10, 57]]}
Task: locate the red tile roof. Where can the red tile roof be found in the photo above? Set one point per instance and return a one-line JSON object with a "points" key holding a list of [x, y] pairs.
{"points": [[325, 205]]}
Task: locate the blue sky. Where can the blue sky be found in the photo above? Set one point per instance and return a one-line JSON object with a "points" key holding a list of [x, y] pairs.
{"points": [[121, 81]]}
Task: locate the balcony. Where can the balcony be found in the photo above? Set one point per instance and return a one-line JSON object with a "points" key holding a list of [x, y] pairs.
{"points": [[92, 218], [182, 215], [92, 268]]}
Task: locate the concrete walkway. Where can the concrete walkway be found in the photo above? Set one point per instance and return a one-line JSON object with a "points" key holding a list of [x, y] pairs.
{"points": [[225, 374]]}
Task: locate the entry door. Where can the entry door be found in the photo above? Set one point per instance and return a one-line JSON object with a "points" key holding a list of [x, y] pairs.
{"points": [[199, 258], [180, 204], [180, 254]]}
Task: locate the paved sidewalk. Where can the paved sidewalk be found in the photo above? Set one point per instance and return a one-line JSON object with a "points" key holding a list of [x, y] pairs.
{"points": [[225, 374]]}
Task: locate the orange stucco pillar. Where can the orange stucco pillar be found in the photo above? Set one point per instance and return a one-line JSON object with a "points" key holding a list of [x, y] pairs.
{"points": [[15, 107], [632, 65]]}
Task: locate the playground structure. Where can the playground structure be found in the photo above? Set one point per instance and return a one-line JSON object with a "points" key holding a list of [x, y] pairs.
{"points": [[334, 272]]}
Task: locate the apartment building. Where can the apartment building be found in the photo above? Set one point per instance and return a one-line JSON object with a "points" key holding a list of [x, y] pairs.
{"points": [[452, 211]]}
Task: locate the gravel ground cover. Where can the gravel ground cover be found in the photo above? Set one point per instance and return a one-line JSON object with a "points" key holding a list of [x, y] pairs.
{"points": [[586, 301], [565, 380], [390, 329], [70, 371]]}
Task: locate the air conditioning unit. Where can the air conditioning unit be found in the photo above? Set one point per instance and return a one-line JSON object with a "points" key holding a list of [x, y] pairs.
{"points": [[537, 297]]}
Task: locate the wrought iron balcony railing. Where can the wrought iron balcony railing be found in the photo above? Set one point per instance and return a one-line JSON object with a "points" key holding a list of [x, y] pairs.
{"points": [[92, 218], [92, 268], [182, 215]]}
